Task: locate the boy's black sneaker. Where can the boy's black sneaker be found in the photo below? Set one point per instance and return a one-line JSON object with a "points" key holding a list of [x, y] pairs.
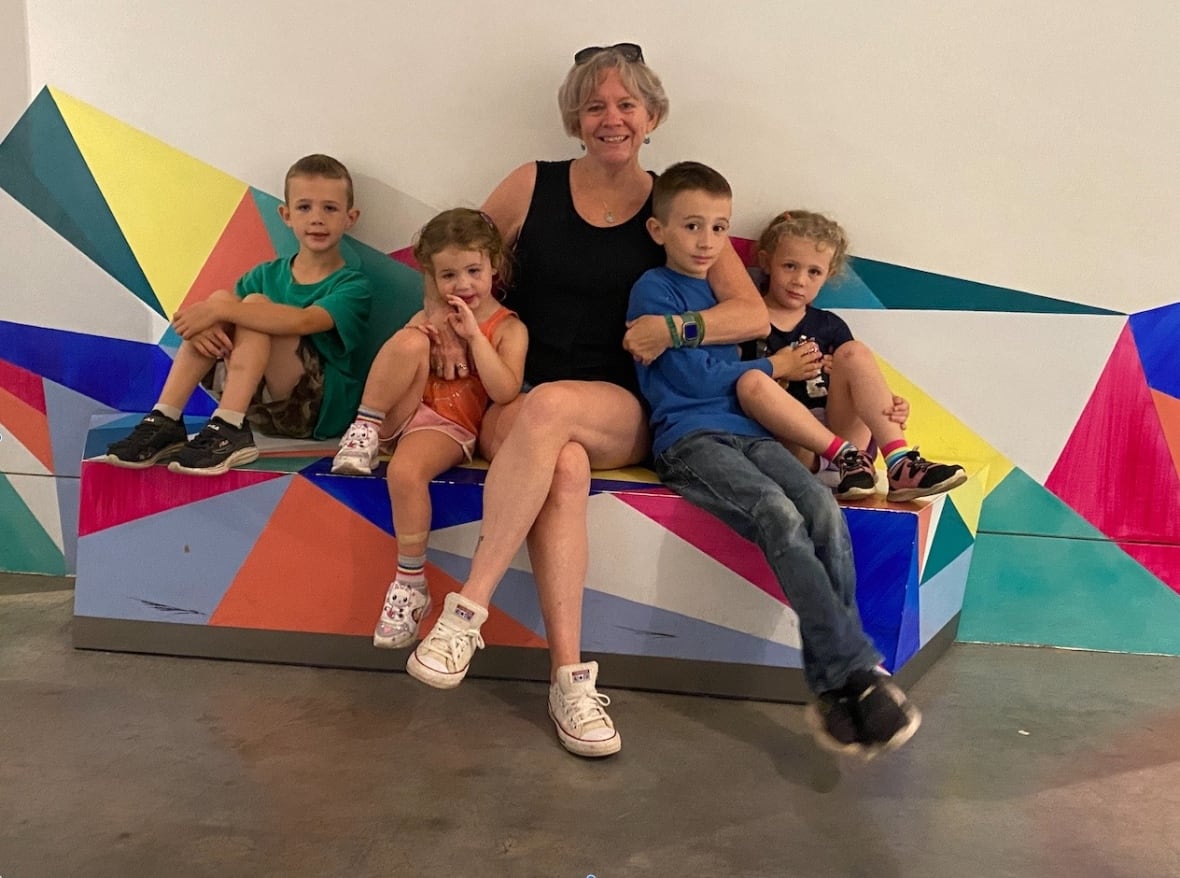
{"points": [[219, 446], [858, 476], [868, 716], [154, 437]]}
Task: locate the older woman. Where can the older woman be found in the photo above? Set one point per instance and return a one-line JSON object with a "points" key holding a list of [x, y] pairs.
{"points": [[580, 243]]}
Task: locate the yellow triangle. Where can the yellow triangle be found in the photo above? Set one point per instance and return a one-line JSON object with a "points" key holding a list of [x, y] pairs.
{"points": [[171, 207], [942, 436]]}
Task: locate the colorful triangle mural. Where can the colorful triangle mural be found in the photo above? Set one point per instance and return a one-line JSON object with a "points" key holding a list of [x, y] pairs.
{"points": [[171, 207], [42, 167], [1119, 442], [243, 244]]}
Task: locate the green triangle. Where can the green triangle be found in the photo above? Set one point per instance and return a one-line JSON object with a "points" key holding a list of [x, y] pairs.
{"points": [[397, 291], [950, 540], [26, 548], [42, 168], [899, 287], [1084, 594], [1018, 505]]}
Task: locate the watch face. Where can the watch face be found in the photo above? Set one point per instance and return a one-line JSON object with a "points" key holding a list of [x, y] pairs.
{"points": [[691, 331]]}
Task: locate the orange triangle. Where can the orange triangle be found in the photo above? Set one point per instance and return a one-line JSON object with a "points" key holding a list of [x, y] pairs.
{"points": [[1168, 409], [243, 244], [29, 426], [292, 579]]}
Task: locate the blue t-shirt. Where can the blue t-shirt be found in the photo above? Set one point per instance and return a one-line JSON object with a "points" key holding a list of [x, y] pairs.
{"points": [[689, 389]]}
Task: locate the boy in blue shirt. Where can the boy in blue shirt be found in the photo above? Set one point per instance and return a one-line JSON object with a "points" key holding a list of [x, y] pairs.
{"points": [[707, 450], [290, 335]]}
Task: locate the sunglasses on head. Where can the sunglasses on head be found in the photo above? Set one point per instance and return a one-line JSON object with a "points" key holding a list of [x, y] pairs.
{"points": [[630, 52]]}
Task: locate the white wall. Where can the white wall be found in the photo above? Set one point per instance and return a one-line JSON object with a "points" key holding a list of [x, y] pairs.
{"points": [[14, 62], [1025, 145]]}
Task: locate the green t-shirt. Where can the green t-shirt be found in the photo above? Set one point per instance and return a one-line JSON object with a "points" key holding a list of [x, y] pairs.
{"points": [[344, 294]]}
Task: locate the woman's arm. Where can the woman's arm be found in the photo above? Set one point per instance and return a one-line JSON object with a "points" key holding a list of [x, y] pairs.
{"points": [[739, 315]]}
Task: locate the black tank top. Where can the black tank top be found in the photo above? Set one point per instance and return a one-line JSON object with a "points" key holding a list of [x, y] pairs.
{"points": [[571, 282]]}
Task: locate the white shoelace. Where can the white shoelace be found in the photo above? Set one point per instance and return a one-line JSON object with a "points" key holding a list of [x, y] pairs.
{"points": [[453, 645], [582, 708]]}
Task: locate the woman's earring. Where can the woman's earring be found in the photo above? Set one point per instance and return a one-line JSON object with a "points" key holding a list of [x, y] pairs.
{"points": [[583, 145], [647, 139]]}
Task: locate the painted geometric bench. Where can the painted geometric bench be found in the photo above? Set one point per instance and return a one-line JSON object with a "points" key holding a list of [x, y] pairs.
{"points": [[281, 561]]}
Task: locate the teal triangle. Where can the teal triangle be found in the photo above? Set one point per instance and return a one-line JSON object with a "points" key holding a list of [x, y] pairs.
{"points": [[281, 237], [1084, 594], [397, 291], [847, 290], [26, 548], [1018, 505], [899, 287], [42, 168], [951, 538]]}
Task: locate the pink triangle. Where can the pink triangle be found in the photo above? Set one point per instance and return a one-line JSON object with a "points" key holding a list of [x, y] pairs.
{"points": [[23, 384], [1116, 469], [112, 495], [709, 535]]}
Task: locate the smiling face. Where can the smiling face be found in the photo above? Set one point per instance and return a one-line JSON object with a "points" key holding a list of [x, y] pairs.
{"points": [[613, 122], [696, 231], [797, 269], [317, 212], [467, 274]]}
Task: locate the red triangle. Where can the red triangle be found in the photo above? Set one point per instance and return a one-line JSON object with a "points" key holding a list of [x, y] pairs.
{"points": [[708, 534], [23, 384], [113, 495], [243, 244], [29, 426], [298, 577], [1168, 409], [1116, 469]]}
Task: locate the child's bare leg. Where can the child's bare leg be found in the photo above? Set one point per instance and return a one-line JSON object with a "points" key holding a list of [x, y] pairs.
{"points": [[392, 393], [785, 417], [859, 400], [398, 377], [418, 458], [189, 367]]}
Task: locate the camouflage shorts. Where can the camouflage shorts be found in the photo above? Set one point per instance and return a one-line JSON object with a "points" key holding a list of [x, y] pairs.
{"points": [[295, 416]]}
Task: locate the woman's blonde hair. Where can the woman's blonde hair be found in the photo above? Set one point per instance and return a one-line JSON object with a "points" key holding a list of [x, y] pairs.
{"points": [[827, 233], [639, 80]]}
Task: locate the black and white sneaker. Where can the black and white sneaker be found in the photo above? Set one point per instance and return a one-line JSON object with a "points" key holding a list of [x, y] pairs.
{"points": [[156, 436], [867, 717], [219, 446]]}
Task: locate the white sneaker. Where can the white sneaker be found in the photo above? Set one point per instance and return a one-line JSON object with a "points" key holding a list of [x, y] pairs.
{"points": [[358, 450], [442, 658], [577, 710], [405, 608]]}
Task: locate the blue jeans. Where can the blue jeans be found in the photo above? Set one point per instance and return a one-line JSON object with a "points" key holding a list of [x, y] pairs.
{"points": [[760, 490]]}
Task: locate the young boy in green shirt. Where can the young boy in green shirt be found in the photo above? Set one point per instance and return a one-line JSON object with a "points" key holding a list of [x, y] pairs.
{"points": [[290, 335]]}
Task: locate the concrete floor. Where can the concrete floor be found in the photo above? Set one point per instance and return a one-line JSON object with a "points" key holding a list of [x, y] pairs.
{"points": [[1031, 762]]}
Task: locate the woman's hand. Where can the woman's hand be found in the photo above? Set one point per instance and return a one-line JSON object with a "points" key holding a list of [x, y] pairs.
{"points": [[646, 338], [447, 349], [800, 363]]}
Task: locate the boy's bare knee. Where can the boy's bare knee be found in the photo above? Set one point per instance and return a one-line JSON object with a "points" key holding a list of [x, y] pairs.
{"points": [[852, 352], [255, 298]]}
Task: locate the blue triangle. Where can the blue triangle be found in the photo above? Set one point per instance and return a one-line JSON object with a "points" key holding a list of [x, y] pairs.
{"points": [[68, 413], [847, 290], [1018, 505], [42, 168], [908, 288], [1157, 338], [125, 375], [185, 559]]}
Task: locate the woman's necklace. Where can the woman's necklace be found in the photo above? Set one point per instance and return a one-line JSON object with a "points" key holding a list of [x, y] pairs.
{"points": [[610, 214]]}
